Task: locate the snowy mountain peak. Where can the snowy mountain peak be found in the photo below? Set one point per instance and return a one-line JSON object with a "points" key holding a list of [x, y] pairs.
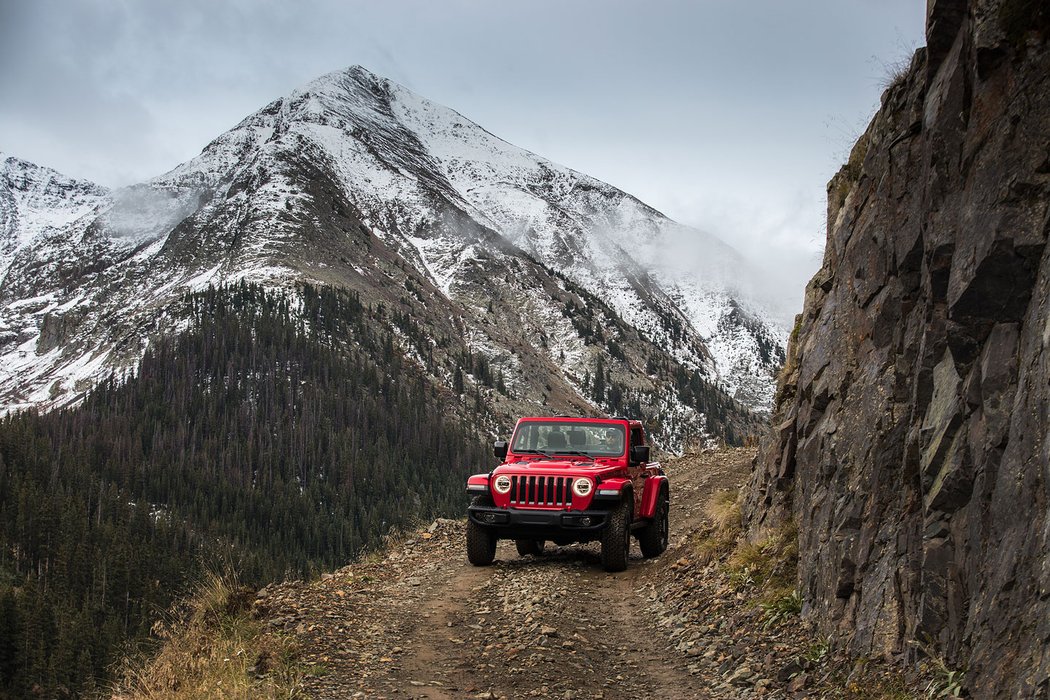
{"points": [[343, 93], [353, 180], [38, 189], [364, 82], [22, 175], [36, 201]]}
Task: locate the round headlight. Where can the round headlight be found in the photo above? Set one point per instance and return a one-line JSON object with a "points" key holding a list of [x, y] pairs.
{"points": [[582, 487], [501, 484]]}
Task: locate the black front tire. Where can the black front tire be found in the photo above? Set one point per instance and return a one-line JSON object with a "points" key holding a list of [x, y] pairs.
{"points": [[653, 539], [527, 547], [616, 537], [481, 541]]}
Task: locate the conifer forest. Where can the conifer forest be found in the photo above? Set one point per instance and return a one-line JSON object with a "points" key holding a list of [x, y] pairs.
{"points": [[255, 440]]}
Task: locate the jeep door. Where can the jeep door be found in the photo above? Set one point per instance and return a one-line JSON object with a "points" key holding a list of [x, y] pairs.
{"points": [[636, 472]]}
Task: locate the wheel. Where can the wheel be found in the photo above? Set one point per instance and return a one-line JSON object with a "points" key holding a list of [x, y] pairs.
{"points": [[481, 544], [481, 541], [653, 539], [616, 537], [526, 547]]}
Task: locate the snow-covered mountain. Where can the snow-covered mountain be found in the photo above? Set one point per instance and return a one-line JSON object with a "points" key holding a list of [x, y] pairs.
{"points": [[355, 181]]}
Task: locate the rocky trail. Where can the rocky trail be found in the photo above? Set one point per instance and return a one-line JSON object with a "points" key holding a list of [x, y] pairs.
{"points": [[418, 621]]}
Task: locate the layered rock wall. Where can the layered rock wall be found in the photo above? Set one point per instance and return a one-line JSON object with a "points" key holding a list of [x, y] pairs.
{"points": [[911, 432]]}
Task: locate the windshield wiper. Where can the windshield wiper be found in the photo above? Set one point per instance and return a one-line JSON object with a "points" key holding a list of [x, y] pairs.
{"points": [[572, 452], [534, 452]]}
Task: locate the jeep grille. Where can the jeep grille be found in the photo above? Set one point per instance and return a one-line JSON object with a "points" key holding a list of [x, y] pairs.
{"points": [[541, 490]]}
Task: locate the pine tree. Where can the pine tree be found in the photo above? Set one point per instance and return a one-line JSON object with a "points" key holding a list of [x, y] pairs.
{"points": [[11, 639], [598, 387]]}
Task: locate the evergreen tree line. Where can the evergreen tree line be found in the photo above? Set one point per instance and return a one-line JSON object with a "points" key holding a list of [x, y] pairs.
{"points": [[280, 434], [726, 418]]}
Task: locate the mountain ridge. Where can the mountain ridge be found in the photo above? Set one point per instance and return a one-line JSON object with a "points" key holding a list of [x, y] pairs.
{"points": [[345, 181]]}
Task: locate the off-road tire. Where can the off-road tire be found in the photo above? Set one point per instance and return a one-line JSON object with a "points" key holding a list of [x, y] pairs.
{"points": [[652, 539], [481, 541], [616, 537], [527, 547]]}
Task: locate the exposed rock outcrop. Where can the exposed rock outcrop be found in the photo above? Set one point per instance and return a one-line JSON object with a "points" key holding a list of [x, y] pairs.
{"points": [[910, 441]]}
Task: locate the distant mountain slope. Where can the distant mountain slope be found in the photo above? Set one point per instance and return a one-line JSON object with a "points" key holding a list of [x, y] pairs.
{"points": [[355, 182]]}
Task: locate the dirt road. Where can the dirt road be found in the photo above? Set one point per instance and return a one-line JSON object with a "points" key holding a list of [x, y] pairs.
{"points": [[420, 622]]}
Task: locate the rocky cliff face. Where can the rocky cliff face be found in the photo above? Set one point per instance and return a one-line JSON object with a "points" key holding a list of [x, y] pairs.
{"points": [[910, 442]]}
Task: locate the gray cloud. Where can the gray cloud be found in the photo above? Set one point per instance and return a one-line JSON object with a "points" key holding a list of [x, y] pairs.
{"points": [[725, 115]]}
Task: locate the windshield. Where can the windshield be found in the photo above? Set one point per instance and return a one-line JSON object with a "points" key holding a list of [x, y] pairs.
{"points": [[551, 437]]}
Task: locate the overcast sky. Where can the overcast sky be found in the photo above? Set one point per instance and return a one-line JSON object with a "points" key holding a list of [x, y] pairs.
{"points": [[730, 116]]}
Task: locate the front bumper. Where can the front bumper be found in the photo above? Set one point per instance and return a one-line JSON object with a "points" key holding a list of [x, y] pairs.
{"points": [[539, 524]]}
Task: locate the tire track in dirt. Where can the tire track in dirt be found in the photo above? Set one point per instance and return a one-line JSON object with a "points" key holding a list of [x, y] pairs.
{"points": [[548, 626]]}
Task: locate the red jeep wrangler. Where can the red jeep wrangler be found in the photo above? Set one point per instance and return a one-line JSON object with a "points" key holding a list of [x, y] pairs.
{"points": [[570, 480]]}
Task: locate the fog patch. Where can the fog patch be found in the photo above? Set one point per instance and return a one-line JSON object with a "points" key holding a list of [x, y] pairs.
{"points": [[778, 239], [691, 253], [141, 213]]}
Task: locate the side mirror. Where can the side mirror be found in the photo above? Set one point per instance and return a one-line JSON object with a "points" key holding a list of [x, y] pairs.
{"points": [[499, 448], [639, 454]]}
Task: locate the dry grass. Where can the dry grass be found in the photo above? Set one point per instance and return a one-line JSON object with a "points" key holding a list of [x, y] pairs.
{"points": [[213, 648], [723, 510], [770, 565], [895, 73], [769, 569], [773, 562]]}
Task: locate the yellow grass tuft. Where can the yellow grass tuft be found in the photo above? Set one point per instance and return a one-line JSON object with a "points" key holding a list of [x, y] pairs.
{"points": [[724, 511], [770, 564], [214, 649]]}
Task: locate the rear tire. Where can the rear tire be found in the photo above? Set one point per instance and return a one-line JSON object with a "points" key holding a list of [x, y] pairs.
{"points": [[481, 541], [527, 547], [616, 537], [653, 539]]}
